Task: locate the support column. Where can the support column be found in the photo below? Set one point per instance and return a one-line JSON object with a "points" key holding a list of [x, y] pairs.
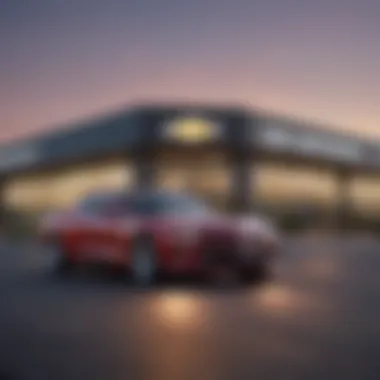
{"points": [[240, 149], [147, 149], [241, 191], [343, 209], [3, 211], [145, 169]]}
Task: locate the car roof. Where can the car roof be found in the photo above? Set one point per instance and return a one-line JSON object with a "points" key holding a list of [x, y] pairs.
{"points": [[139, 193]]}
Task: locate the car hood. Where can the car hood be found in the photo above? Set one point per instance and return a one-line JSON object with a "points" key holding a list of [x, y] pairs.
{"points": [[216, 223]]}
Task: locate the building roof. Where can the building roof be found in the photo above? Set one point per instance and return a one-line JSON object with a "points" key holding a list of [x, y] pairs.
{"points": [[125, 129], [94, 137]]}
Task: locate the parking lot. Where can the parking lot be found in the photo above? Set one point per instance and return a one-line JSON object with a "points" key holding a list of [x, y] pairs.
{"points": [[318, 318]]}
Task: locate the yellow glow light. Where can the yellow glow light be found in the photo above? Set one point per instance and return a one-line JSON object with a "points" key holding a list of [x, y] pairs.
{"points": [[192, 130], [179, 310]]}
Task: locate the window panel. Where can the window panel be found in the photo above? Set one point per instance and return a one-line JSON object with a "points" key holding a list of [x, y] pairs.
{"points": [[65, 187], [280, 184], [365, 195], [207, 175]]}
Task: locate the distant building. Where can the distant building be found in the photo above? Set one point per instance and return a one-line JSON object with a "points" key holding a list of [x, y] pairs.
{"points": [[231, 156]]}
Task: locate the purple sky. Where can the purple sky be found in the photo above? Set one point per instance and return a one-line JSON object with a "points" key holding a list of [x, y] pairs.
{"points": [[66, 60]]}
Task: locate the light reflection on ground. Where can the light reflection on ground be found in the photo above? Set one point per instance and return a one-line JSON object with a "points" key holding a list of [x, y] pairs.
{"points": [[178, 309], [317, 319], [176, 336], [323, 267], [276, 298]]}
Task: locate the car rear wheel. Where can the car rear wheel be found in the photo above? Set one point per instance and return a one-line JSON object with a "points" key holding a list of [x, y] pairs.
{"points": [[223, 271], [61, 263], [257, 273], [144, 262], [224, 277]]}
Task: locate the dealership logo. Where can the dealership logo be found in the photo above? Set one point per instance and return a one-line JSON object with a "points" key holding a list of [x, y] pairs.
{"points": [[191, 130], [311, 144]]}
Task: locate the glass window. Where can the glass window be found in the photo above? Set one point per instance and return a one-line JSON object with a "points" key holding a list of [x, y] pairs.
{"points": [[107, 204], [291, 184], [207, 175], [63, 188], [95, 204], [365, 195]]}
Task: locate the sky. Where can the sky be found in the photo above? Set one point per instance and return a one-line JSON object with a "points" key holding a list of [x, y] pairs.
{"points": [[66, 60]]}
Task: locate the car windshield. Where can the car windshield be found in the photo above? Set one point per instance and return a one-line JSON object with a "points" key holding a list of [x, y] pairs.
{"points": [[95, 203], [155, 204]]}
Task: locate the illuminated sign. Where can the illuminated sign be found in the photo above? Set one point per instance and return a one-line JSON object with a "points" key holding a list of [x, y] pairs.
{"points": [[192, 130], [309, 143]]}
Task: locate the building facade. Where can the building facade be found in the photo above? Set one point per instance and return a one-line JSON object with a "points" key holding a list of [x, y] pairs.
{"points": [[233, 157]]}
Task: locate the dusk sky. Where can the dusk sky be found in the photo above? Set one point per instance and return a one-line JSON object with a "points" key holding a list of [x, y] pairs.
{"points": [[64, 60]]}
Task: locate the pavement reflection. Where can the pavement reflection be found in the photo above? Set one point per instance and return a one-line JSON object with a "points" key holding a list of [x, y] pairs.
{"points": [[176, 336], [323, 267], [317, 319], [277, 298], [179, 309]]}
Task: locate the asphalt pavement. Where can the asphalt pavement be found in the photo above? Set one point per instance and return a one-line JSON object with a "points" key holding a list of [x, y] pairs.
{"points": [[317, 319]]}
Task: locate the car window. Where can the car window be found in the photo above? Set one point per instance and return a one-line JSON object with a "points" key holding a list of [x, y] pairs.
{"points": [[157, 204], [117, 207], [97, 205], [151, 204]]}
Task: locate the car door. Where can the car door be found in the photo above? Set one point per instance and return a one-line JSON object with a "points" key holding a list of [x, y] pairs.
{"points": [[121, 228], [96, 222]]}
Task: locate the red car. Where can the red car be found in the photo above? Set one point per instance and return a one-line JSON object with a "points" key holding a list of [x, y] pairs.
{"points": [[150, 233]]}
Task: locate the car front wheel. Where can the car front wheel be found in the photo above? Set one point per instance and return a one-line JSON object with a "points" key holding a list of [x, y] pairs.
{"points": [[60, 261], [222, 270], [258, 272], [144, 262]]}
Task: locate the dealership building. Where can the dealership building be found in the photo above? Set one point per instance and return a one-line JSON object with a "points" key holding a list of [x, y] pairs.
{"points": [[233, 157]]}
